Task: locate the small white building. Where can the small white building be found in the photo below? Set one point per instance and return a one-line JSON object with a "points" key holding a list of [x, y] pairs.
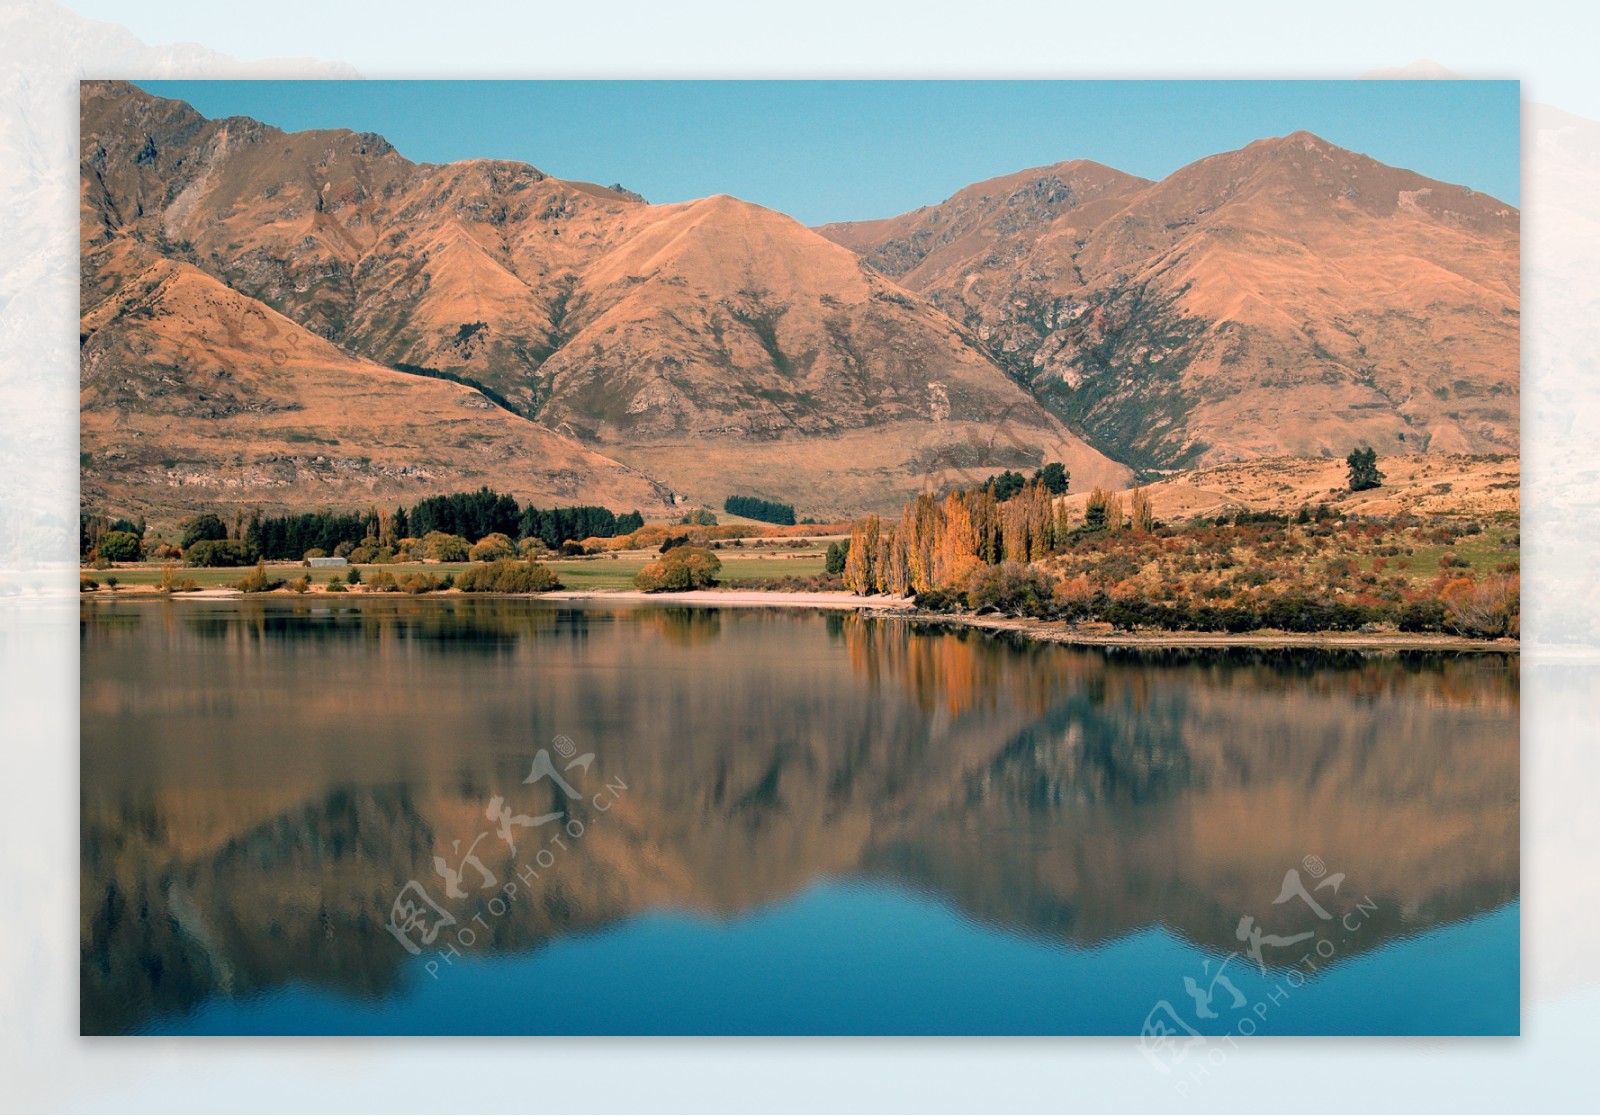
{"points": [[315, 562]]}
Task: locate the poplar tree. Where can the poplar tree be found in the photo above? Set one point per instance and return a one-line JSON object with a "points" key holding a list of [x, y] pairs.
{"points": [[858, 573], [1144, 517]]}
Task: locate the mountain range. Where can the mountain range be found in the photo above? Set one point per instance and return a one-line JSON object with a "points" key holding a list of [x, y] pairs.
{"points": [[304, 319]]}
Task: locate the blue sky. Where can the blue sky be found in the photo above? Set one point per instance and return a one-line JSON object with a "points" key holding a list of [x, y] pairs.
{"points": [[833, 151]]}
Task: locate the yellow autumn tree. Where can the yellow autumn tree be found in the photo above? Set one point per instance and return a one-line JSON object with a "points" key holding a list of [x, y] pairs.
{"points": [[892, 574], [921, 524], [858, 565], [1040, 521], [1142, 514], [1115, 519]]}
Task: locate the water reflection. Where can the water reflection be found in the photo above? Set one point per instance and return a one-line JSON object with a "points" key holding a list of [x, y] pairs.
{"points": [[261, 778]]}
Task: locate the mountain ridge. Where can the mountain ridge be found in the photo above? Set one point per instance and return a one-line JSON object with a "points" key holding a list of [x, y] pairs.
{"points": [[1288, 298], [1145, 321], [655, 335]]}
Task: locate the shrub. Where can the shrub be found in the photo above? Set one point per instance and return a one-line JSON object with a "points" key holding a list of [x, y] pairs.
{"points": [[440, 547], [938, 600], [355, 576], [700, 517], [258, 581], [1010, 587], [337, 587], [492, 547], [507, 575], [171, 583], [382, 582], [418, 583], [1489, 609], [300, 584], [1421, 616], [683, 567], [212, 553], [87, 584]]}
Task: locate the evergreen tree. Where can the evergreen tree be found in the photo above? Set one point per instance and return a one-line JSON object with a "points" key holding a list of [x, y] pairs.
{"points": [[1095, 511], [204, 527], [1054, 477], [1364, 472]]}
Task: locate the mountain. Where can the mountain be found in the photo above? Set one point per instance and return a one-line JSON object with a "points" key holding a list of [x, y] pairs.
{"points": [[712, 346], [1288, 298]]}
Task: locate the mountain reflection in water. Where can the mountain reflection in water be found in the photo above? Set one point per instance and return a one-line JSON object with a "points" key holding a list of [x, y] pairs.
{"points": [[260, 779]]}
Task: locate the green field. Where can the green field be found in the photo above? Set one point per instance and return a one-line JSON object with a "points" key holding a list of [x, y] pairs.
{"points": [[597, 573], [1484, 553]]}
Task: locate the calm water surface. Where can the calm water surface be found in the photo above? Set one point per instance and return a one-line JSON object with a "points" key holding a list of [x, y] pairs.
{"points": [[791, 823]]}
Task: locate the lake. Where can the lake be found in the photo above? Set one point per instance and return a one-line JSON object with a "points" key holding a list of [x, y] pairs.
{"points": [[463, 816]]}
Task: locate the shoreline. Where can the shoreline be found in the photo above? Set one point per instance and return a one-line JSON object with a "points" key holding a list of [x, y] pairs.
{"points": [[1097, 634]]}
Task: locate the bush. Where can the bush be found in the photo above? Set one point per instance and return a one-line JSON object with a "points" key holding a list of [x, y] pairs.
{"points": [[440, 547], [1489, 609], [355, 576], [418, 583], [1011, 588], [382, 582], [337, 586], [259, 582], [683, 567], [492, 547], [87, 584], [213, 553], [700, 517], [171, 583], [938, 600], [1421, 616], [300, 584], [507, 575]]}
